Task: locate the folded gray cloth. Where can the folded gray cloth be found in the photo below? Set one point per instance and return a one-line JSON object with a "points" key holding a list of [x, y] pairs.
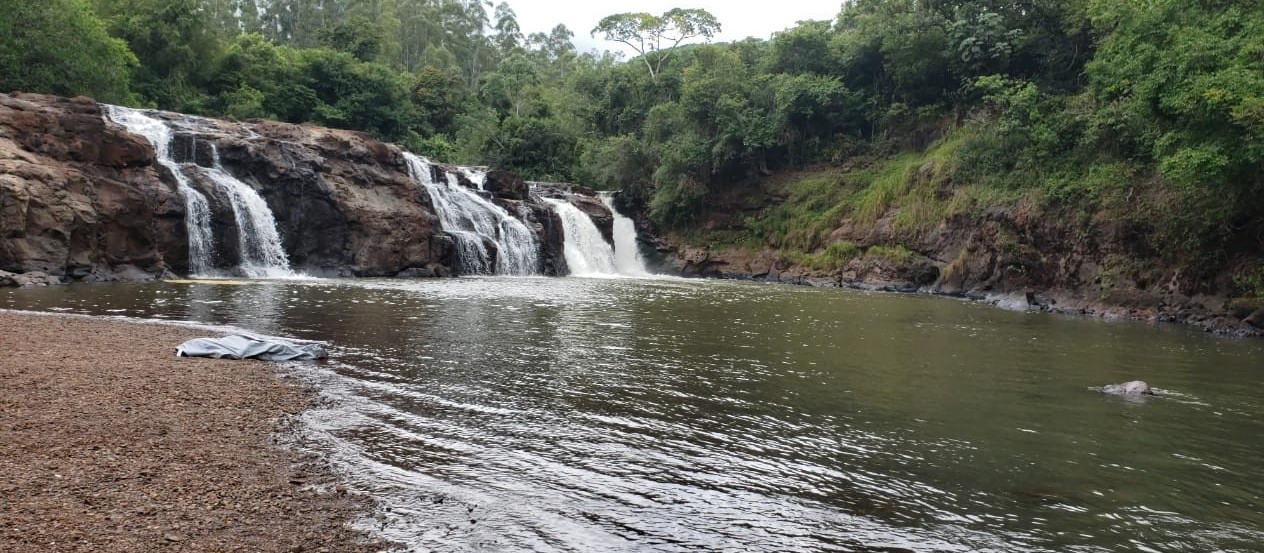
{"points": [[246, 347]]}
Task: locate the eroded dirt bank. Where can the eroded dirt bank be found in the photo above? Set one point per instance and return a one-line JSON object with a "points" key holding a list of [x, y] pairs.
{"points": [[111, 443]]}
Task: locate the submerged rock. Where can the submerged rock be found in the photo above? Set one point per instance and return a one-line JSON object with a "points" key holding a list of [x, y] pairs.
{"points": [[1133, 388]]}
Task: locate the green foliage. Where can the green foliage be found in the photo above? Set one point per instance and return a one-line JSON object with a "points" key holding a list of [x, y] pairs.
{"points": [[1189, 94], [832, 259], [177, 45], [1249, 282], [541, 148], [814, 206], [619, 163], [60, 47], [355, 35]]}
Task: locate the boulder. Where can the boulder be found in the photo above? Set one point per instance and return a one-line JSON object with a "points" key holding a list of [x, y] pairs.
{"points": [[507, 185]]}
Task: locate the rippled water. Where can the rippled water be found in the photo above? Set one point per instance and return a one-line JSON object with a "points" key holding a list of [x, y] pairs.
{"points": [[537, 414]]}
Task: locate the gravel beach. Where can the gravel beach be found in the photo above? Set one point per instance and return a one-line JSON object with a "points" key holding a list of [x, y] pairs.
{"points": [[108, 442]]}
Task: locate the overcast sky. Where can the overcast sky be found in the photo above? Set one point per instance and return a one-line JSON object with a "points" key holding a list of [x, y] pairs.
{"points": [[738, 18]]}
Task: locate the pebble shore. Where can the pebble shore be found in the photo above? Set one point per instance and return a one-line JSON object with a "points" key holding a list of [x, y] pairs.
{"points": [[108, 442]]}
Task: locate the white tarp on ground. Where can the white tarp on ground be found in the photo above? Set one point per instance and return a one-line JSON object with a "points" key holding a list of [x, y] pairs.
{"points": [[245, 347]]}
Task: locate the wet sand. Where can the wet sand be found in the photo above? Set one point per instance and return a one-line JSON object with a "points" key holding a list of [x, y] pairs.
{"points": [[108, 442]]}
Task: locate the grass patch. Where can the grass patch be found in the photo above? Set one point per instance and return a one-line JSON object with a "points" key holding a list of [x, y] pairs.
{"points": [[921, 190], [833, 258]]}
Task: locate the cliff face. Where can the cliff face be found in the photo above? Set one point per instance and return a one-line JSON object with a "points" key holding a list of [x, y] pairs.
{"points": [[83, 199], [1022, 258], [80, 198]]}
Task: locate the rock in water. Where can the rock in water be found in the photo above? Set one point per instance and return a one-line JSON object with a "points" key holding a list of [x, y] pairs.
{"points": [[1133, 388]]}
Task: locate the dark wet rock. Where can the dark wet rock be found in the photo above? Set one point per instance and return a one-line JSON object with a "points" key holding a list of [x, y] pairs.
{"points": [[553, 237], [79, 197], [507, 185], [1132, 388], [1242, 308]]}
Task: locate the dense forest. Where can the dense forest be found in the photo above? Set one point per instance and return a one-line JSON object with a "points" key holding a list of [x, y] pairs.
{"points": [[1151, 111]]}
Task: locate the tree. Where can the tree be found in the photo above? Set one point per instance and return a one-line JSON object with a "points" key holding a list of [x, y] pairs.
{"points": [[655, 38], [177, 45], [354, 35], [60, 47]]}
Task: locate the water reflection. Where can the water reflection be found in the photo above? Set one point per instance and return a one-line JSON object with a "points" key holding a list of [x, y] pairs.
{"points": [[610, 415]]}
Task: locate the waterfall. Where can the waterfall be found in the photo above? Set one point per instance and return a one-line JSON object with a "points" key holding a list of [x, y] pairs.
{"points": [[475, 223], [586, 250], [476, 175], [197, 217], [627, 254], [262, 255]]}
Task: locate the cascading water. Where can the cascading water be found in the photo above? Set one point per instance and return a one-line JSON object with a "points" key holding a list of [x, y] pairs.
{"points": [[262, 255], [197, 210], [586, 250], [475, 223], [627, 255], [476, 176]]}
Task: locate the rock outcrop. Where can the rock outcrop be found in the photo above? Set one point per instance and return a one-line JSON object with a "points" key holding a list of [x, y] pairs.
{"points": [[1025, 257], [83, 199]]}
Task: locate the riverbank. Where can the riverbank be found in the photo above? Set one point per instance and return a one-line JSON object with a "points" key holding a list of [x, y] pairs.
{"points": [[1217, 315], [816, 226], [111, 443]]}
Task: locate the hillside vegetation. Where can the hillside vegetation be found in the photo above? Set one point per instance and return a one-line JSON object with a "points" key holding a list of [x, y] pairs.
{"points": [[1147, 114]]}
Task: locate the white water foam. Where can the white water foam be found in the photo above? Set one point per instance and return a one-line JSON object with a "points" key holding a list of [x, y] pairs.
{"points": [[586, 250], [627, 254], [475, 224], [262, 253]]}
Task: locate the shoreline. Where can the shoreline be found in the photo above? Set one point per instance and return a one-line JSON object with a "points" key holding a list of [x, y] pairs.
{"points": [[1054, 300], [112, 443]]}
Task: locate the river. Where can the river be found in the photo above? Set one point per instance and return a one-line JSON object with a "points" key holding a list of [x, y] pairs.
{"points": [[537, 414]]}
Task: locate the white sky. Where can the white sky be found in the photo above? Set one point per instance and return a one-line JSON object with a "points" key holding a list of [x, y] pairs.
{"points": [[738, 18]]}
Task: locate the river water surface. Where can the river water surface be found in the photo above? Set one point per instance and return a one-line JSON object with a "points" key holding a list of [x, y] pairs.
{"points": [[535, 414]]}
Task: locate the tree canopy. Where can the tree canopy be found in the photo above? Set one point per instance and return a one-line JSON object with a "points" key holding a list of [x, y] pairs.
{"points": [[60, 46], [655, 37]]}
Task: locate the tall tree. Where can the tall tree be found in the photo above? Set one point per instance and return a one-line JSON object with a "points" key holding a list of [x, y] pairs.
{"points": [[656, 37]]}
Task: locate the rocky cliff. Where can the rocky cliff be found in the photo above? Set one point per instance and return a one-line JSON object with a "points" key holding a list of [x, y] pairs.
{"points": [[1027, 258], [83, 199]]}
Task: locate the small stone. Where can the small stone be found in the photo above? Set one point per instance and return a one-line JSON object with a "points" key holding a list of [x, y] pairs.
{"points": [[172, 538]]}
